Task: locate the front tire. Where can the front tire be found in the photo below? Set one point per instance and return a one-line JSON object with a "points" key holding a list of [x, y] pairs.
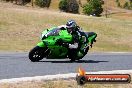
{"points": [[36, 54]]}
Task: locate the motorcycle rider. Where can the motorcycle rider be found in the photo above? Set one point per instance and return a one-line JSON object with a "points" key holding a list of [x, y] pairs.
{"points": [[73, 29], [76, 33]]}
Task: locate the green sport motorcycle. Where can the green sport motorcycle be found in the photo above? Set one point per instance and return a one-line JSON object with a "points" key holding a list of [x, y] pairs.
{"points": [[50, 47]]}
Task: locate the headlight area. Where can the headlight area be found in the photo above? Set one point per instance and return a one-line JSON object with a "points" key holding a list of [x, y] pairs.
{"points": [[41, 36]]}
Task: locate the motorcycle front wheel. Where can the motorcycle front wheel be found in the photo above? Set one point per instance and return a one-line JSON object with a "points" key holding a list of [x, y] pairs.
{"points": [[36, 54]]}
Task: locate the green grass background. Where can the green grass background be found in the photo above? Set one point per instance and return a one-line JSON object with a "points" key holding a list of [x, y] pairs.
{"points": [[21, 27]]}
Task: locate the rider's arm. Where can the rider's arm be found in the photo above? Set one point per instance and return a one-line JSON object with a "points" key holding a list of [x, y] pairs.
{"points": [[75, 42]]}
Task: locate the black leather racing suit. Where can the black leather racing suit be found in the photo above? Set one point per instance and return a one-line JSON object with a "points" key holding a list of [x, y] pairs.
{"points": [[76, 45]]}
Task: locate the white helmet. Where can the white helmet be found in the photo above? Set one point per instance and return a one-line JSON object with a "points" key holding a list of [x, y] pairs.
{"points": [[71, 24]]}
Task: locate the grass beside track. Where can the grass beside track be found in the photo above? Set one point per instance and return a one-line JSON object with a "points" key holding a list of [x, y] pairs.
{"points": [[21, 27], [61, 84]]}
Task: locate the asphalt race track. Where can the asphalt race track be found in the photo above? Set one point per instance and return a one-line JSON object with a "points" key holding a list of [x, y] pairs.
{"points": [[16, 64]]}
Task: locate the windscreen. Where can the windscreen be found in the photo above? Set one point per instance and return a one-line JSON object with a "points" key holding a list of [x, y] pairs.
{"points": [[53, 32]]}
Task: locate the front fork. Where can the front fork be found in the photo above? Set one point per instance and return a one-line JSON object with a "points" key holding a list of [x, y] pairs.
{"points": [[45, 51]]}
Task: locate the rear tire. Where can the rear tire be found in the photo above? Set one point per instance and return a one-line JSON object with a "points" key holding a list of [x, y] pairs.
{"points": [[86, 50], [72, 55], [36, 54], [72, 58]]}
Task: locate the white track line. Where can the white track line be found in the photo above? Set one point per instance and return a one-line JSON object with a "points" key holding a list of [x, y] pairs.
{"points": [[120, 52], [60, 76]]}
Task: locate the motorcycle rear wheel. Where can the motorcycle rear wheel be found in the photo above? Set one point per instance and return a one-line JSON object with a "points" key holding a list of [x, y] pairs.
{"points": [[73, 55]]}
